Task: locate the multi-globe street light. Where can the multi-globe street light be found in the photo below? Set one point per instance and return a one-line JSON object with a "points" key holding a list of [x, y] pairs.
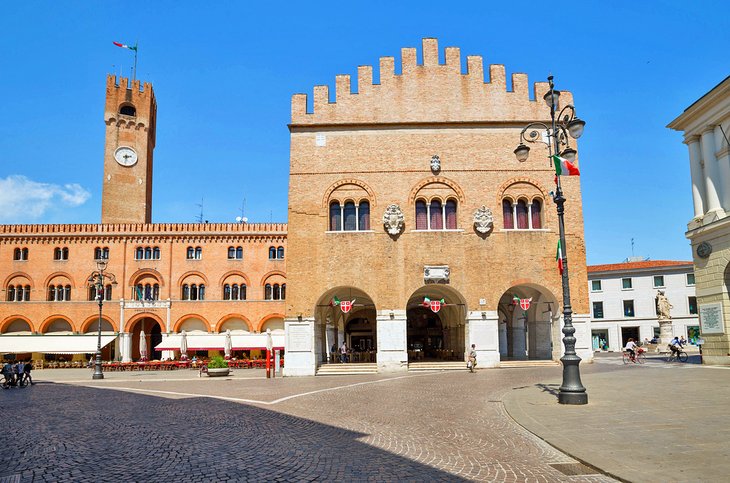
{"points": [[564, 125], [97, 280]]}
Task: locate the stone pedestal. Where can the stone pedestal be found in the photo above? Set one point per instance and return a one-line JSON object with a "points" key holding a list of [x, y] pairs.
{"points": [[665, 333]]}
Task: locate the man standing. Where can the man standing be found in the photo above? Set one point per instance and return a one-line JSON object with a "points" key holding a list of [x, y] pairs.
{"points": [[473, 358], [343, 352]]}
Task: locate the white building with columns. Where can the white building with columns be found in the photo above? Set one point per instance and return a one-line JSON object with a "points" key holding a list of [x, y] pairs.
{"points": [[706, 127], [623, 301]]}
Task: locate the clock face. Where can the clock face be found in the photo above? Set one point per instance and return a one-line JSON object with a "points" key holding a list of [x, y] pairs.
{"points": [[125, 156]]}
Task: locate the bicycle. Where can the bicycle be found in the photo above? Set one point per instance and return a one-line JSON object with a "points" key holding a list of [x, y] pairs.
{"points": [[7, 383], [638, 358], [679, 355]]}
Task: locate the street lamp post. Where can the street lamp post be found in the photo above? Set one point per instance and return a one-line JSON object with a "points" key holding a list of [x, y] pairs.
{"points": [[97, 280], [564, 126]]}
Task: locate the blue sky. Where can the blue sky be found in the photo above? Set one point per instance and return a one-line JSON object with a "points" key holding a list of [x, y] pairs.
{"points": [[224, 73]]}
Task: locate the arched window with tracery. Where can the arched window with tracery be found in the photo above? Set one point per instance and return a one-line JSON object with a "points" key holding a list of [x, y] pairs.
{"points": [[436, 215], [523, 206], [350, 216]]}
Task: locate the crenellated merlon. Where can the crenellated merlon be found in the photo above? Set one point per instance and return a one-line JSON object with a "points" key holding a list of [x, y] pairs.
{"points": [[430, 92], [112, 81]]}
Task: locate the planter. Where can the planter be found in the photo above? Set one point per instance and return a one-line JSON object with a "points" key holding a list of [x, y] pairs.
{"points": [[218, 372]]}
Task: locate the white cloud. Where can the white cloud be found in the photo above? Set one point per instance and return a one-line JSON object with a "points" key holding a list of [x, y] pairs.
{"points": [[23, 200]]}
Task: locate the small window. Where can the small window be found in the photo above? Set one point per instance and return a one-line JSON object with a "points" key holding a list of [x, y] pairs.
{"points": [[436, 216], [626, 283], [597, 310], [363, 216], [690, 279], [595, 285], [509, 223], [101, 253], [239, 253], [335, 216], [658, 280], [272, 253], [11, 293], [267, 291], [421, 215], [156, 253], [280, 253], [693, 305], [20, 254], [522, 223], [186, 292], [536, 214], [60, 253], [139, 253], [128, 110], [450, 214], [628, 308], [350, 216], [226, 292]]}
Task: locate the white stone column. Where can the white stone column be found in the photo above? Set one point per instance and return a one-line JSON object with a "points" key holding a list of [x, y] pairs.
{"points": [[167, 322], [713, 183], [126, 340], [723, 160], [614, 338], [392, 338], [698, 177], [484, 333]]}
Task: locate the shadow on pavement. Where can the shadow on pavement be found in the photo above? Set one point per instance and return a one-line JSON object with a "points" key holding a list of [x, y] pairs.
{"points": [[553, 389], [70, 433]]}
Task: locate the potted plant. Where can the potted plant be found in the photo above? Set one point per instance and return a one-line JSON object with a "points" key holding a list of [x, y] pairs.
{"points": [[217, 367]]}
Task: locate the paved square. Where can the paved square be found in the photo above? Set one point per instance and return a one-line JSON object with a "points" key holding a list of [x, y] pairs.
{"points": [[174, 426]]}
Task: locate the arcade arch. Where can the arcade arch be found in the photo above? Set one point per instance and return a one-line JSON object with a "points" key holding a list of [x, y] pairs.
{"points": [[345, 315], [436, 324], [153, 328], [17, 326], [57, 325], [528, 330], [192, 324], [236, 323]]}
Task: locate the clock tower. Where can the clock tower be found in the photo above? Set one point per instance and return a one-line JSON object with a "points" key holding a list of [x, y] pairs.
{"points": [[130, 116]]}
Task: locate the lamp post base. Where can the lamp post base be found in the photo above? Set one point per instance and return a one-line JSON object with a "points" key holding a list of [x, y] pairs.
{"points": [[97, 376], [575, 398]]}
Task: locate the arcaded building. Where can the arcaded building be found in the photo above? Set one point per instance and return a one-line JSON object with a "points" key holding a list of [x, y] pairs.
{"points": [[203, 278], [413, 227], [706, 128]]}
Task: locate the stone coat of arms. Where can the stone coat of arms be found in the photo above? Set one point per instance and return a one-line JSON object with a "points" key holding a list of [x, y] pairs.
{"points": [[393, 219], [435, 164], [483, 220]]}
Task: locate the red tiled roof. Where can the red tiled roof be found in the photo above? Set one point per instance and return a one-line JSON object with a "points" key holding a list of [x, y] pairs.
{"points": [[620, 267]]}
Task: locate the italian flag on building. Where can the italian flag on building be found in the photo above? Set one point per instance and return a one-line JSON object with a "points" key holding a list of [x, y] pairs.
{"points": [[563, 167], [559, 258], [125, 46]]}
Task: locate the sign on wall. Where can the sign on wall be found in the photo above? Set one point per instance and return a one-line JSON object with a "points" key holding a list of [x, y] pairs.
{"points": [[299, 338], [711, 319]]}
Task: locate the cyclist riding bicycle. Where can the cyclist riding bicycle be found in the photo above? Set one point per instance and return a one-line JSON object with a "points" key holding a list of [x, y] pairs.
{"points": [[631, 348], [675, 346]]}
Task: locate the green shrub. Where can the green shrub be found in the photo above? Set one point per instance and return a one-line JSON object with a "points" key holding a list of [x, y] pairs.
{"points": [[217, 362]]}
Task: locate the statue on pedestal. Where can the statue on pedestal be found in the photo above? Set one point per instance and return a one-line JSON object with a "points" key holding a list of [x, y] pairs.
{"points": [[665, 318]]}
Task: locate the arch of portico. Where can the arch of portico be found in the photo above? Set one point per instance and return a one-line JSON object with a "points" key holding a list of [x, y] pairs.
{"points": [[16, 324], [436, 324], [332, 321], [531, 334]]}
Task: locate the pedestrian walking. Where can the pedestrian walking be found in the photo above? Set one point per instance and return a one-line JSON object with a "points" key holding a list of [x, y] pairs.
{"points": [[26, 371]]}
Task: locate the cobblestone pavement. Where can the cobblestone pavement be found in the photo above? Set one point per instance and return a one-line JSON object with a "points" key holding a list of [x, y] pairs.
{"points": [[425, 427]]}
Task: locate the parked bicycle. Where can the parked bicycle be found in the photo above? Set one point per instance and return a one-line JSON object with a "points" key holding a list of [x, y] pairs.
{"points": [[638, 358], [679, 355]]}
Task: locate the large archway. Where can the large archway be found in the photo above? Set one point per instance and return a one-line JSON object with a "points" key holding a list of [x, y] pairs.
{"points": [[528, 331], [152, 329], [345, 318], [436, 324]]}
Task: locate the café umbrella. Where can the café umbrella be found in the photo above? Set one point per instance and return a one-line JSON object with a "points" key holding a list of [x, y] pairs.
{"points": [[183, 346], [228, 345], [142, 346]]}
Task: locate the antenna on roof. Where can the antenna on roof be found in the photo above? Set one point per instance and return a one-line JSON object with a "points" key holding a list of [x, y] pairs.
{"points": [[632, 247], [200, 218]]}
